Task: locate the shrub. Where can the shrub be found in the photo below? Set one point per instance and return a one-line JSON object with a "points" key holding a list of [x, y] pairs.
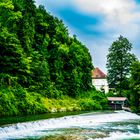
{"points": [[89, 104], [17, 101], [9, 105]]}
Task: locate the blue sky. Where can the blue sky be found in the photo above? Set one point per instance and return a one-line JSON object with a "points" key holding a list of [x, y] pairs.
{"points": [[97, 23]]}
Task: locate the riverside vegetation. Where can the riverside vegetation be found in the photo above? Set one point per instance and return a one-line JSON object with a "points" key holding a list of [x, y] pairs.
{"points": [[124, 72], [42, 68]]}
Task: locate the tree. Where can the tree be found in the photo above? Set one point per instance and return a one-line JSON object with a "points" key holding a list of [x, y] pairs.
{"points": [[26, 25], [13, 60], [135, 87], [8, 16], [36, 49], [38, 58], [119, 61]]}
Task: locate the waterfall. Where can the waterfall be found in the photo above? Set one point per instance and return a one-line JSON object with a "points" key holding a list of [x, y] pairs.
{"points": [[43, 127]]}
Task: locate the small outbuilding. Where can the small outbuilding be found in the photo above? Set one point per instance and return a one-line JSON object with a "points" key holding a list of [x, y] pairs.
{"points": [[117, 103]]}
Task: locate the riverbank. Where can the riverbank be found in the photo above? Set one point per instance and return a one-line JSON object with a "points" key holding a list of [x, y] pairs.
{"points": [[68, 104], [19, 101]]}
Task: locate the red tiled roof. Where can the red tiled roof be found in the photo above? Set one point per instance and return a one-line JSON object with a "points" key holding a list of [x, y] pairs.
{"points": [[98, 74], [116, 98]]}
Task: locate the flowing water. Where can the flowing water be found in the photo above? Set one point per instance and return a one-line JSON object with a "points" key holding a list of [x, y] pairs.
{"points": [[118, 125]]}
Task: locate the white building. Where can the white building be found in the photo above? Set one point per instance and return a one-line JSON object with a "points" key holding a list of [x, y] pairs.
{"points": [[99, 80]]}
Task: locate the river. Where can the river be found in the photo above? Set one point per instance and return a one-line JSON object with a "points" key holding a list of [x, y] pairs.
{"points": [[117, 125]]}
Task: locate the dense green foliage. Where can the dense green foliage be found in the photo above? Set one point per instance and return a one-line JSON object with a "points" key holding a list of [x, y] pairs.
{"points": [[124, 73], [135, 87], [18, 101], [118, 64], [39, 60], [37, 49]]}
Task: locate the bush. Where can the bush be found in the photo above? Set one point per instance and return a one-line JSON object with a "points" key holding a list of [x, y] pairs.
{"points": [[7, 80], [17, 101], [9, 105], [89, 104]]}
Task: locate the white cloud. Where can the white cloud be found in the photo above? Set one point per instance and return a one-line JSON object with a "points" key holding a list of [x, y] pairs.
{"points": [[119, 10], [120, 17]]}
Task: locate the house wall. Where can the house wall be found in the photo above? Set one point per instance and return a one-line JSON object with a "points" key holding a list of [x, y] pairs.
{"points": [[100, 83]]}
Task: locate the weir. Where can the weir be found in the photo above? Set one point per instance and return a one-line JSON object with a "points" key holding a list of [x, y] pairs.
{"points": [[89, 120]]}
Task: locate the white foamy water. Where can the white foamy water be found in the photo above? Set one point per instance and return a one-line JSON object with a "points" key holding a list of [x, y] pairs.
{"points": [[120, 136], [44, 127]]}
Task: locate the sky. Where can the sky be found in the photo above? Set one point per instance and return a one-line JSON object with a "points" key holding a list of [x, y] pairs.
{"points": [[97, 23]]}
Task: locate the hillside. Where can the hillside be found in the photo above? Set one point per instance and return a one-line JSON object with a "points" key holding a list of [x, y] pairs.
{"points": [[39, 59]]}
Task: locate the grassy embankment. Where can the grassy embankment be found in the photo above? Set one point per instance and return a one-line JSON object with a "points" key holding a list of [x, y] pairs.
{"points": [[18, 101]]}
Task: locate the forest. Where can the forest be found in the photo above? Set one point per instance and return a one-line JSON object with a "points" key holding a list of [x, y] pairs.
{"points": [[42, 68]]}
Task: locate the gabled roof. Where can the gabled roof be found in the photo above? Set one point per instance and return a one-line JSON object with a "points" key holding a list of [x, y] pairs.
{"points": [[116, 98], [98, 74]]}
